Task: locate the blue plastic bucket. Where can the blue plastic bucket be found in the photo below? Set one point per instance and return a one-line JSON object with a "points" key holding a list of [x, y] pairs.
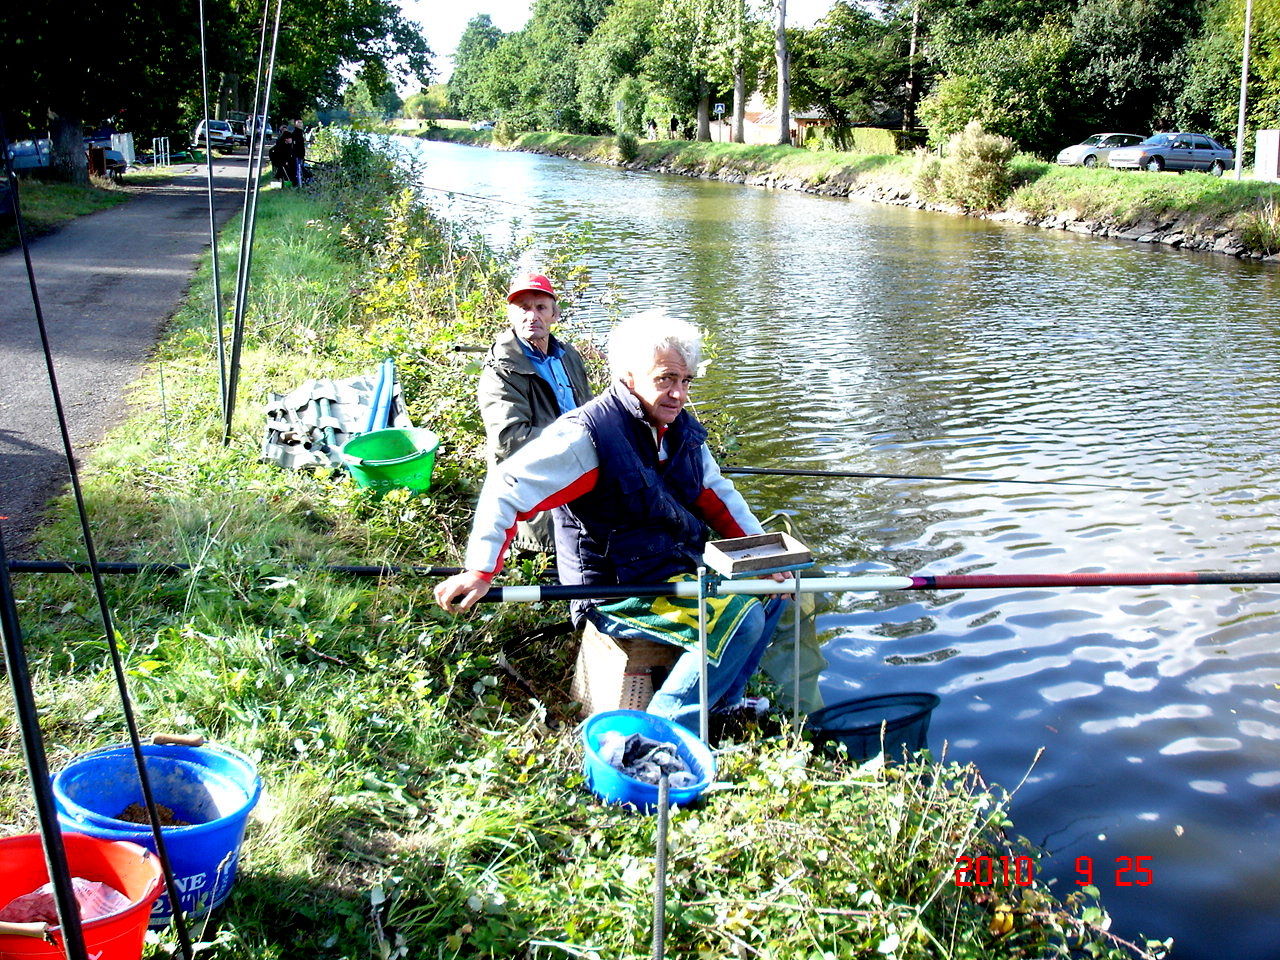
{"points": [[211, 787], [614, 786]]}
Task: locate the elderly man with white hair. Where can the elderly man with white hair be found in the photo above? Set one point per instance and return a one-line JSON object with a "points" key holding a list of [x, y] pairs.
{"points": [[634, 489]]}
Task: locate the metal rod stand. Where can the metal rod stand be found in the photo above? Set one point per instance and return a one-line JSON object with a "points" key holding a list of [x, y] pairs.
{"points": [[704, 708]]}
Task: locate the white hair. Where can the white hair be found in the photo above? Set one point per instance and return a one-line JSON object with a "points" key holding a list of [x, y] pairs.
{"points": [[634, 343]]}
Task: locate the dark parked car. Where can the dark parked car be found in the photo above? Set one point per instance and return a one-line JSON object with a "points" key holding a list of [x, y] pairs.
{"points": [[1174, 151], [1093, 150]]}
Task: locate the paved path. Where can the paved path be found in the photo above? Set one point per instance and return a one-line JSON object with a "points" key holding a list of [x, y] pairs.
{"points": [[107, 284]]}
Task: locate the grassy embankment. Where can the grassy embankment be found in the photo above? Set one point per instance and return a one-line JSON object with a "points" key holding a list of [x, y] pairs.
{"points": [[418, 801], [1040, 190]]}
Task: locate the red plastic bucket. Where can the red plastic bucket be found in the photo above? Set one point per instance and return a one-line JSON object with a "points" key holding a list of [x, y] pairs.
{"points": [[127, 867]]}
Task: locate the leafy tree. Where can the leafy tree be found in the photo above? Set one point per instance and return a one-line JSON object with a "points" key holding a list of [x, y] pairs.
{"points": [[556, 32], [358, 102], [478, 40], [783, 61], [853, 66], [740, 43], [53, 75], [1016, 84], [678, 65], [429, 103], [610, 62], [53, 72], [1210, 97], [1129, 61], [506, 88]]}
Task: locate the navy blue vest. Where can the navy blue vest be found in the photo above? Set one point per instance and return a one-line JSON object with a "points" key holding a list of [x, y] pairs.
{"points": [[637, 524]]}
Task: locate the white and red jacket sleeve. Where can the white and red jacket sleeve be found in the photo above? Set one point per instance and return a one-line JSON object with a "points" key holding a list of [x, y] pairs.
{"points": [[560, 465]]}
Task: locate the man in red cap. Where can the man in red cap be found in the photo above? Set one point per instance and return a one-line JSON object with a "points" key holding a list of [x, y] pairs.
{"points": [[529, 377]]}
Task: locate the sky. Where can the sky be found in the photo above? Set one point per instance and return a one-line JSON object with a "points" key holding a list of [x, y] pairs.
{"points": [[443, 21]]}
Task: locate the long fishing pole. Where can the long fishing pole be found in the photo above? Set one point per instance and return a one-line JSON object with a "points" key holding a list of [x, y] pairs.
{"points": [[117, 663], [213, 225], [850, 474], [476, 196], [254, 175], [175, 569], [869, 584]]}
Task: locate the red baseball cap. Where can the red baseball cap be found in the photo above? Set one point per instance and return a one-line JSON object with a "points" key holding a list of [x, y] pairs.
{"points": [[535, 282]]}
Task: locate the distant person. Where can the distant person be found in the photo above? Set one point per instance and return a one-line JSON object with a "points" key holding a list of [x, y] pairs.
{"points": [[299, 152], [528, 379], [281, 155]]}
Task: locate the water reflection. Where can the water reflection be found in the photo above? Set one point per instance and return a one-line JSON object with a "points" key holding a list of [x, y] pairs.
{"points": [[870, 338]]}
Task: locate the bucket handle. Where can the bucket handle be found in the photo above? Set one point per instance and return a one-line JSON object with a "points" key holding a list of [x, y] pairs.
{"points": [[38, 929], [178, 739]]}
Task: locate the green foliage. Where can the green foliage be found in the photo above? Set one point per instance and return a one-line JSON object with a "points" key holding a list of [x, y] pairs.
{"points": [[1129, 62], [628, 147], [926, 174], [1017, 84], [465, 94], [1209, 97], [1260, 229], [854, 66], [612, 57], [49, 48], [975, 172], [789, 856]]}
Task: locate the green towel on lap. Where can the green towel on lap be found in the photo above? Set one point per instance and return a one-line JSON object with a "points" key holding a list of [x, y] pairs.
{"points": [[674, 620]]}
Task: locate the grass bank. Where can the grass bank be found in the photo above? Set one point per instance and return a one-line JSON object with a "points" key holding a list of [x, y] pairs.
{"points": [[1194, 210], [421, 801]]}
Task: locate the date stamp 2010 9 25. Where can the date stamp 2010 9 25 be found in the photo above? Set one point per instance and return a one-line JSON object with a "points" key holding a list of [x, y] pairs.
{"points": [[987, 871]]}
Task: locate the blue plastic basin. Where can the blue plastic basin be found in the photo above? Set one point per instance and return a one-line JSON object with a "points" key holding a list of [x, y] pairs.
{"points": [[614, 786]]}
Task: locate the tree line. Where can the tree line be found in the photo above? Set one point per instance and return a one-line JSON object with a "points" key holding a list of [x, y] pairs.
{"points": [[1042, 72], [136, 64]]}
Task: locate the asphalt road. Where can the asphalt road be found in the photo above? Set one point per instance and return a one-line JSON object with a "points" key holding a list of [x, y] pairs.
{"points": [[107, 284]]}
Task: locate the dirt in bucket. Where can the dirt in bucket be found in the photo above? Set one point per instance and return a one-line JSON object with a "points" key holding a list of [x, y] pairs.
{"points": [[137, 813]]}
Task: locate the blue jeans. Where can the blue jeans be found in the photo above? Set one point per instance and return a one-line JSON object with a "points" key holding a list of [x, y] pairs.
{"points": [[677, 699]]}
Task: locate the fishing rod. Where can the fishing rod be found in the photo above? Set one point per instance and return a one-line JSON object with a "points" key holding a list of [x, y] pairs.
{"points": [[474, 196], [175, 569], [849, 474], [868, 584]]}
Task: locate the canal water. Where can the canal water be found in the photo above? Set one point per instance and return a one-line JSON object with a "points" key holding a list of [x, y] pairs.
{"points": [[871, 338]]}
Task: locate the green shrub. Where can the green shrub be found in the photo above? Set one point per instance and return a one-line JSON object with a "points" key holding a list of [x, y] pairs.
{"points": [[873, 141], [976, 173], [924, 177], [1260, 229], [628, 146], [505, 133]]}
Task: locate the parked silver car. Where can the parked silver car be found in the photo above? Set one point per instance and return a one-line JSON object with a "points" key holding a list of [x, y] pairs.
{"points": [[221, 136], [1174, 151], [1093, 150]]}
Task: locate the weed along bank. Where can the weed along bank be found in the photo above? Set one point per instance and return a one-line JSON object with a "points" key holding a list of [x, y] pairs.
{"points": [[423, 778]]}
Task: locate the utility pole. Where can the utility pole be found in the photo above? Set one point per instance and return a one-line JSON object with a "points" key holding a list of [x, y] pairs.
{"points": [[784, 73], [1244, 88], [909, 115]]}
